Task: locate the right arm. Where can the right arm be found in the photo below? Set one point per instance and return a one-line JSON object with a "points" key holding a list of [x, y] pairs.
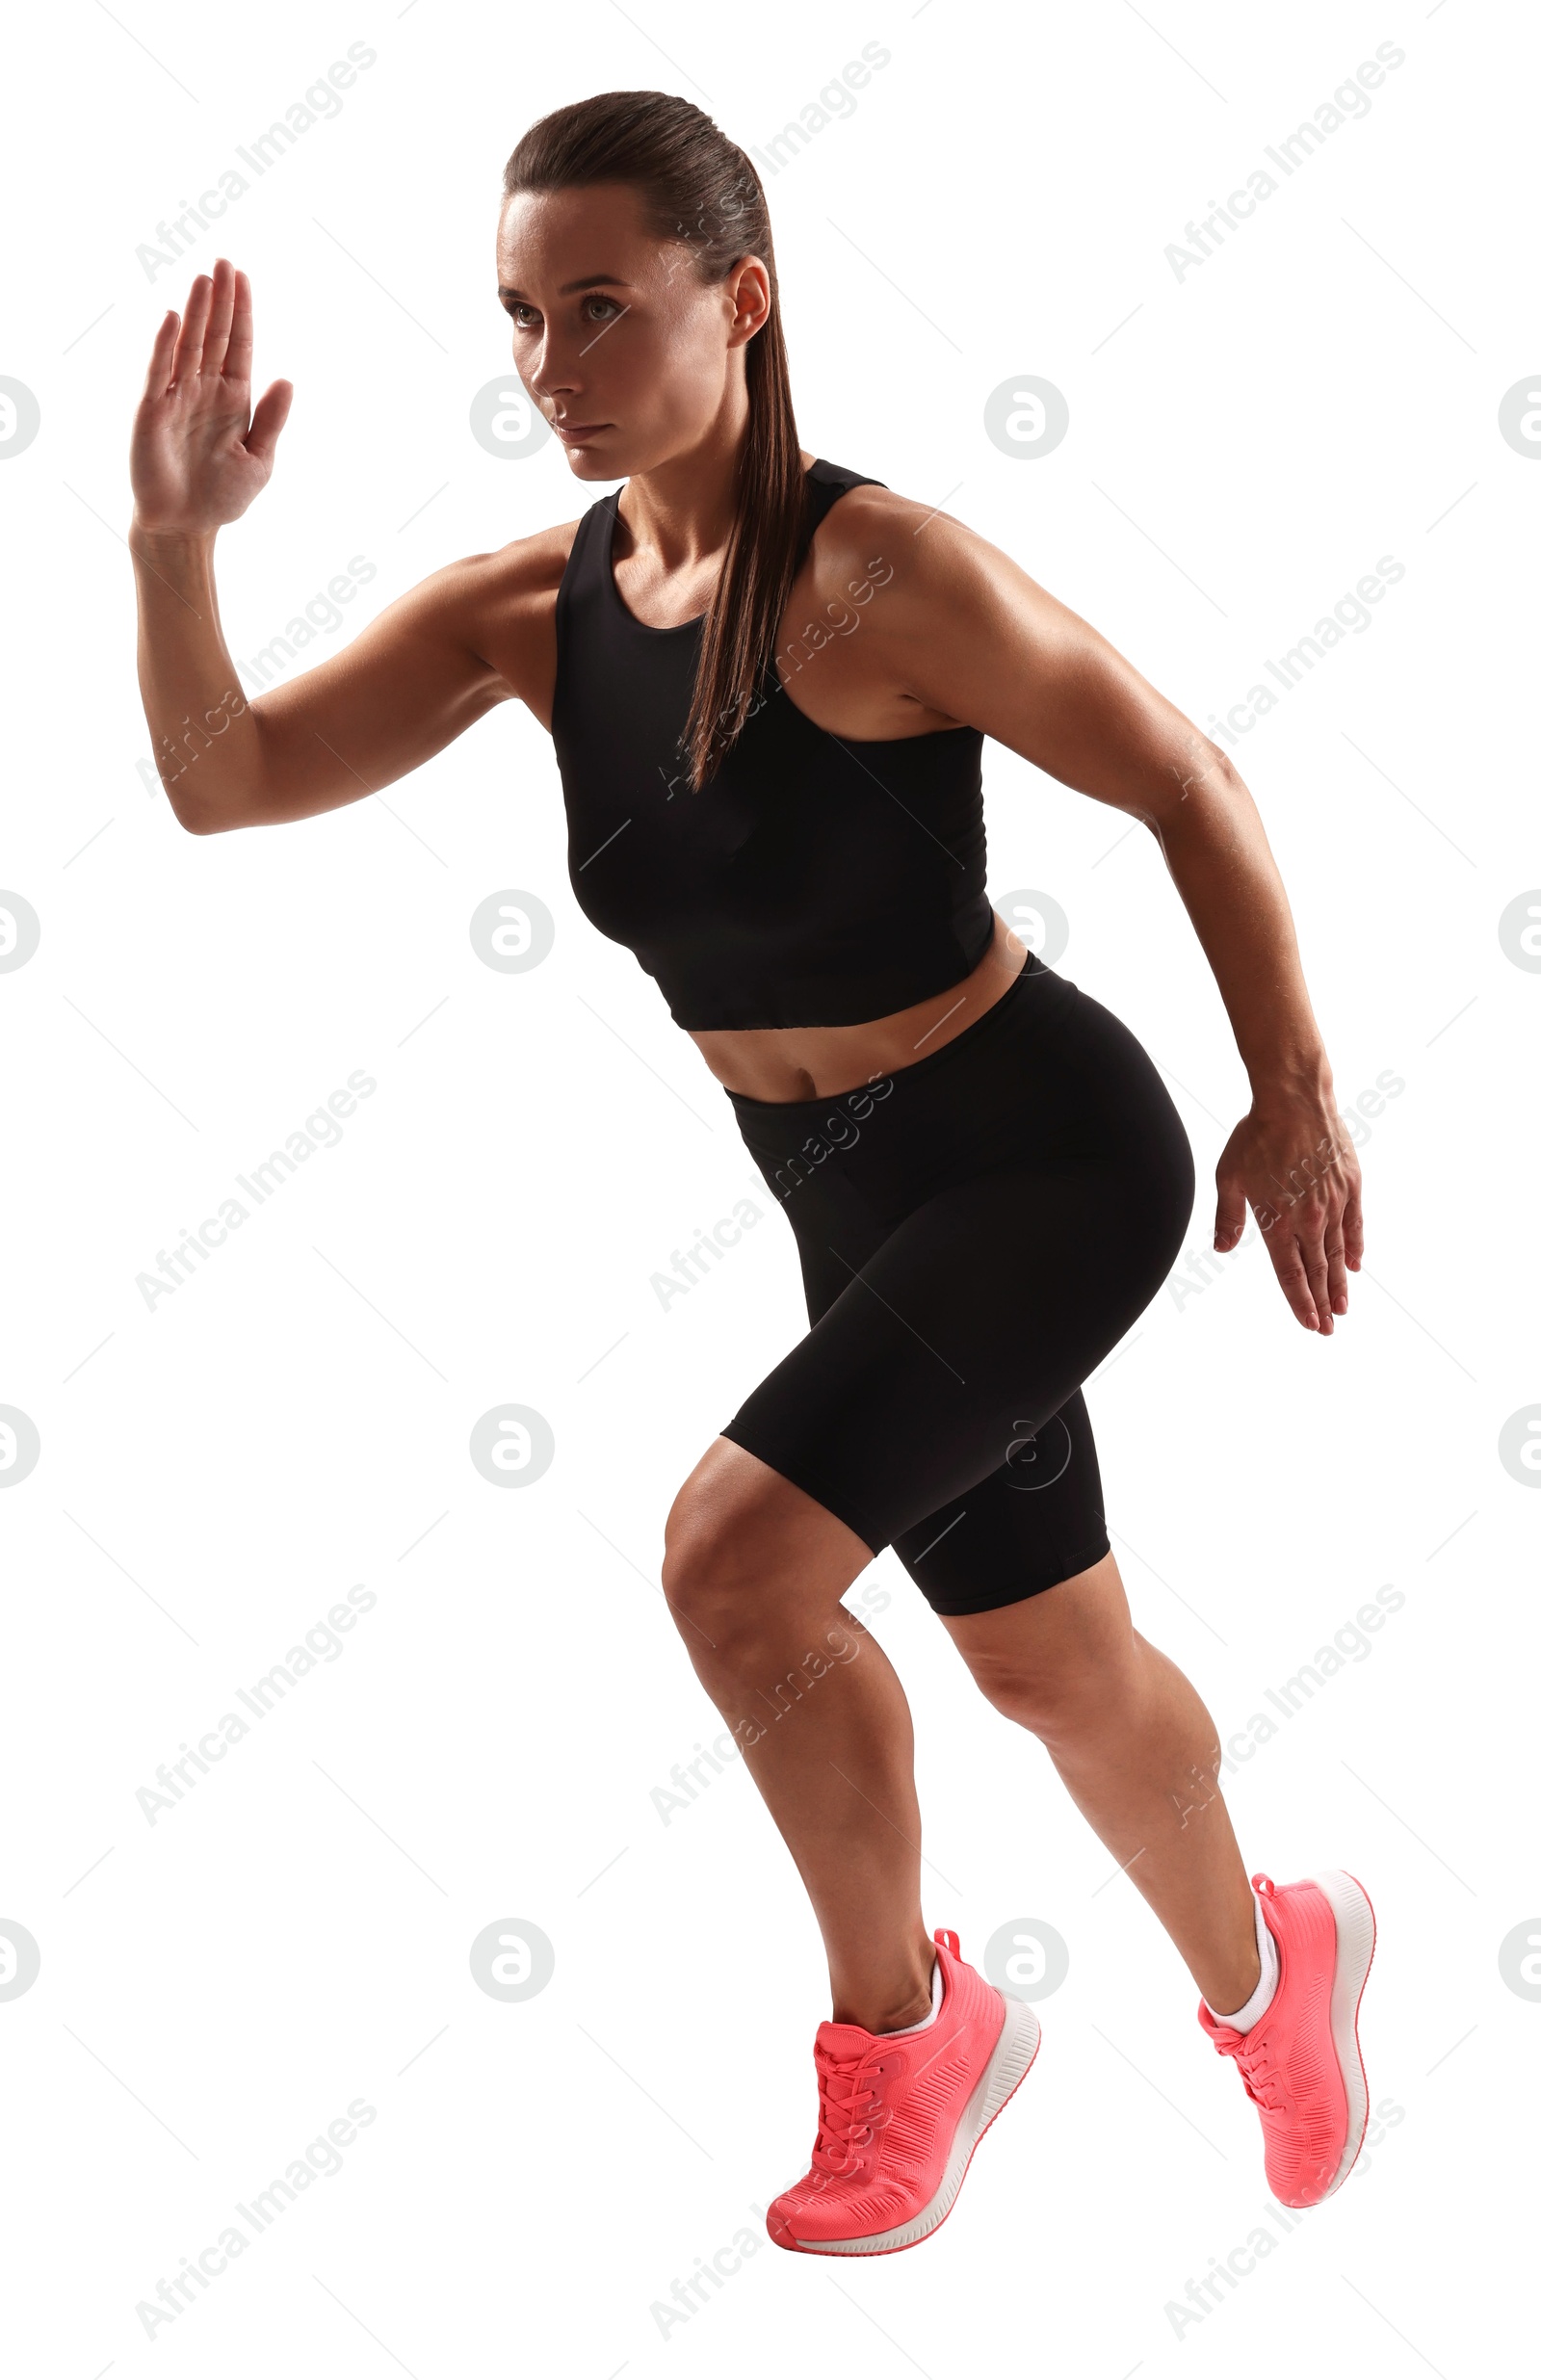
{"points": [[409, 682]]}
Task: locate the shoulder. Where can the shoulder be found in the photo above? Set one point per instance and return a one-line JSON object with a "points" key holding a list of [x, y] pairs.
{"points": [[514, 577], [936, 601], [923, 554], [499, 606]]}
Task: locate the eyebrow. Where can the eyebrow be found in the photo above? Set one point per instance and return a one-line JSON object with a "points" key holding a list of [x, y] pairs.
{"points": [[589, 281]]}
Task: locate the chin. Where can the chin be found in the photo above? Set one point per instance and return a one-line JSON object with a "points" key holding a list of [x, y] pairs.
{"points": [[589, 462]]}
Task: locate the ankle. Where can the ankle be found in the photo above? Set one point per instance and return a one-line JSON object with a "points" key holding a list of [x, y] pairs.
{"points": [[889, 2006], [1264, 1964], [1234, 1983]]}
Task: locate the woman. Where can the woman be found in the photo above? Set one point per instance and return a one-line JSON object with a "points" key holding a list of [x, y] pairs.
{"points": [[768, 680]]}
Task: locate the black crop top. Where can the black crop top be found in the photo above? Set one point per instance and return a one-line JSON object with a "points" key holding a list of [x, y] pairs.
{"points": [[816, 880]]}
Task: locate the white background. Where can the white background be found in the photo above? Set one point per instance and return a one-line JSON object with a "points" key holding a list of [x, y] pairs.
{"points": [[1244, 444]]}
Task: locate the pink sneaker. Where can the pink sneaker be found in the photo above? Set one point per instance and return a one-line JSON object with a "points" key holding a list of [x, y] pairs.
{"points": [[1302, 2062], [900, 2115]]}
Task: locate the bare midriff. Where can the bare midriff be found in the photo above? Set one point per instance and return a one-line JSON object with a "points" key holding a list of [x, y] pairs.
{"points": [[818, 1061]]}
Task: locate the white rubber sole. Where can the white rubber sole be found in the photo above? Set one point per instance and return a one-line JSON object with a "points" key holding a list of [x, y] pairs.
{"points": [[1355, 1922], [1015, 2048]]}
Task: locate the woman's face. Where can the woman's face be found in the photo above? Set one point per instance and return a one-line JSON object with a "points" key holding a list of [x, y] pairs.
{"points": [[628, 354]]}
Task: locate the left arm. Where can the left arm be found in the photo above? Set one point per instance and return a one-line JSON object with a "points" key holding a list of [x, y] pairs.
{"points": [[969, 635]]}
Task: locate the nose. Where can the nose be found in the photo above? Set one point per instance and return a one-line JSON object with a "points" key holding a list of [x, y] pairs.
{"points": [[553, 379]]}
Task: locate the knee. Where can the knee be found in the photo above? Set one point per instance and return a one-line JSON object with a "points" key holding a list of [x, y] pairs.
{"points": [[708, 1568], [741, 1600], [1061, 1700]]}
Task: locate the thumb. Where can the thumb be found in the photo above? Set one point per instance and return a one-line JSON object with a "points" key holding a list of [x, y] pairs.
{"points": [[1230, 1215], [273, 411]]}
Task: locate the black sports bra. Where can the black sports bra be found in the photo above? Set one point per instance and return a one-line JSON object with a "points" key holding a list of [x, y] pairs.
{"points": [[816, 880]]}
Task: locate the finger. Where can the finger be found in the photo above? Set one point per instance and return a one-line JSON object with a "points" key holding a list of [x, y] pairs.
{"points": [[221, 308], [189, 339], [1353, 1229], [269, 419], [1337, 1275], [158, 372], [1230, 1214], [1311, 1239], [1291, 1275], [238, 352]]}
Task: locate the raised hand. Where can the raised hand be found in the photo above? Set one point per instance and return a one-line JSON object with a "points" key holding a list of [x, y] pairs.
{"points": [[198, 455]]}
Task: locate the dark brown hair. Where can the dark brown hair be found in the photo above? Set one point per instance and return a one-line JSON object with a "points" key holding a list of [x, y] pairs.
{"points": [[696, 187]]}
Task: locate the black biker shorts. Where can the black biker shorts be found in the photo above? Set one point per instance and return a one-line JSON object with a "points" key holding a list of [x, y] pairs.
{"points": [[978, 1231]]}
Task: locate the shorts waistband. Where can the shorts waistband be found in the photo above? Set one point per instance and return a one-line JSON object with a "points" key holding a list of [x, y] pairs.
{"points": [[950, 1053]]}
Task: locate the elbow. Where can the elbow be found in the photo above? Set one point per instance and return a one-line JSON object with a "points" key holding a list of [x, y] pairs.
{"points": [[193, 821], [1206, 770], [1203, 785], [215, 809], [215, 775]]}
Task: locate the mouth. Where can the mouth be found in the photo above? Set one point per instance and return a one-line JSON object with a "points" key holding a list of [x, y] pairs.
{"points": [[576, 434]]}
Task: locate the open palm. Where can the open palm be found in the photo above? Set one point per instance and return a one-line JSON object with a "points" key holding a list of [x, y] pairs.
{"points": [[198, 455]]}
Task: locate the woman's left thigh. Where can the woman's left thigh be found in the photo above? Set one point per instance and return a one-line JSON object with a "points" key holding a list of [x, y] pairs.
{"points": [[965, 1330]]}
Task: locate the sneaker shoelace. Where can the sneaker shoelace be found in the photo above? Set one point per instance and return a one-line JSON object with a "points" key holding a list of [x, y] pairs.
{"points": [[850, 2111], [1261, 2077], [1263, 2081]]}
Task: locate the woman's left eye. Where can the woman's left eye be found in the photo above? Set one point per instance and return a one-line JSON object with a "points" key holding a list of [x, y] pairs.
{"points": [[522, 315]]}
